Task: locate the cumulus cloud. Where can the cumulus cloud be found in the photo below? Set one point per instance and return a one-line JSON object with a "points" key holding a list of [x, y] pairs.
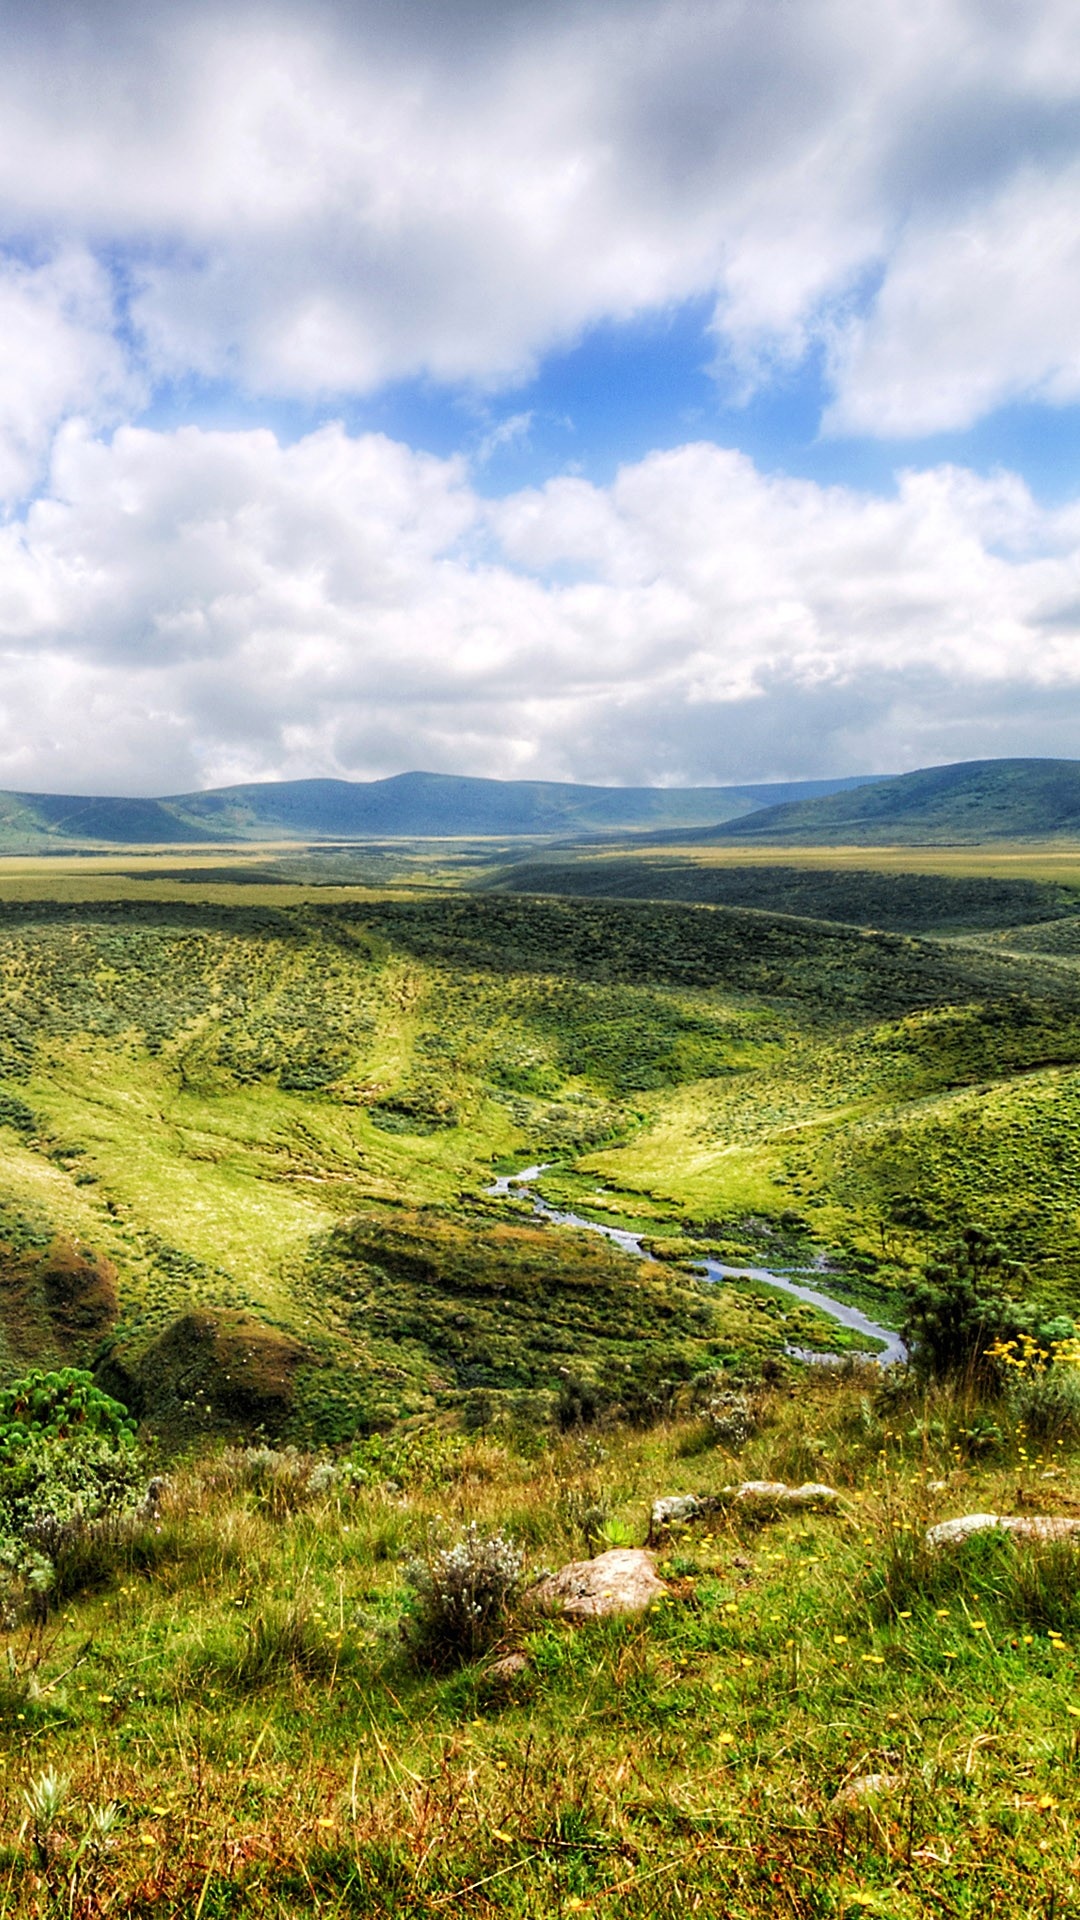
{"points": [[189, 608], [313, 201], [971, 314], [58, 355]]}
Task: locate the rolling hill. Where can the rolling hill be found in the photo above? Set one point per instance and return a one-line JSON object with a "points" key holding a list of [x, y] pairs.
{"points": [[973, 801], [858, 896], [407, 805]]}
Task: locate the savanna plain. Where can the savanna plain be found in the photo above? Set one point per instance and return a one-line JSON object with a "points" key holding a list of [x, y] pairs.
{"points": [[298, 1406]]}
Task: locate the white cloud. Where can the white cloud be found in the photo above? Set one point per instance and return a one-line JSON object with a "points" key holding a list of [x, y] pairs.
{"points": [[316, 201], [971, 314], [188, 608], [58, 356]]}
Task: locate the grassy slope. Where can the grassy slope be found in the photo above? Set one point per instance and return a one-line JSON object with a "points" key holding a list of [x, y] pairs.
{"points": [[973, 801], [213, 1093], [211, 1090], [239, 1687], [895, 902], [240, 1692]]}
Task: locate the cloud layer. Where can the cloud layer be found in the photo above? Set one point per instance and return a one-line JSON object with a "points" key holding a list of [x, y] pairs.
{"points": [[305, 204], [315, 201], [192, 608]]}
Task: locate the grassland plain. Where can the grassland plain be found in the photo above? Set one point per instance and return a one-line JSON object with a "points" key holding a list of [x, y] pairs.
{"points": [[201, 1101], [248, 1132]]}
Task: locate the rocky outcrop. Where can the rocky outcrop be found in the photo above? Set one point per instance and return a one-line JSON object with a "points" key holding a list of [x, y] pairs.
{"points": [[762, 1496], [774, 1495], [623, 1581], [676, 1510], [1042, 1526]]}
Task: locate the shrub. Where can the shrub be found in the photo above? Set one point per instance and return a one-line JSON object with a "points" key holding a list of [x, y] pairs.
{"points": [[1041, 1383], [963, 1307], [67, 1501], [462, 1598], [57, 1406]]}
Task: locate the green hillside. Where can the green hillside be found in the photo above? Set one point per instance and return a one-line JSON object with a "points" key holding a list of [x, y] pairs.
{"points": [[409, 805], [894, 902], [247, 1142], [247, 1146], [972, 802]]}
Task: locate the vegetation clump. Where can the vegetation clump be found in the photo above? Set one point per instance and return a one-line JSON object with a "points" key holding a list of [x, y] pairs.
{"points": [[462, 1597], [964, 1310], [71, 1474], [58, 1405]]}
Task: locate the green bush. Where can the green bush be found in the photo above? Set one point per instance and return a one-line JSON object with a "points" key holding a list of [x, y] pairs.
{"points": [[70, 1480], [65, 1505], [965, 1305], [1046, 1403], [56, 1406]]}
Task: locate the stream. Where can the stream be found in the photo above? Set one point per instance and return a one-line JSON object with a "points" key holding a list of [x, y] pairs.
{"points": [[893, 1348]]}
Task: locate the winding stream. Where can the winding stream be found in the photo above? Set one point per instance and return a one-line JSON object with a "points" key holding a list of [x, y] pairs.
{"points": [[893, 1348]]}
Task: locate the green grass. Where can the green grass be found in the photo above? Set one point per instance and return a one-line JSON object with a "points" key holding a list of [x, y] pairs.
{"points": [[252, 1133], [242, 1693], [211, 1096]]}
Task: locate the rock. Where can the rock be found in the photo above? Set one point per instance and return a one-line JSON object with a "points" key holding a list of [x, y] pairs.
{"points": [[504, 1671], [868, 1786], [774, 1494], [621, 1581], [1043, 1526], [948, 1533], [674, 1511]]}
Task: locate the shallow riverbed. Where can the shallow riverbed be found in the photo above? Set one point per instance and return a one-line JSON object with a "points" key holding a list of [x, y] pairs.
{"points": [[892, 1347]]}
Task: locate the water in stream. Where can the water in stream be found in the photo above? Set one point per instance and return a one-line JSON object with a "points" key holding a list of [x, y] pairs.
{"points": [[893, 1348]]}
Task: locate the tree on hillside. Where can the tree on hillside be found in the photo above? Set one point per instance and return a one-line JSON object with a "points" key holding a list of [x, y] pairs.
{"points": [[965, 1302]]}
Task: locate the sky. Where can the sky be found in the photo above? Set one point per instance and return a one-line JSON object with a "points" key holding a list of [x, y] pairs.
{"points": [[630, 391]]}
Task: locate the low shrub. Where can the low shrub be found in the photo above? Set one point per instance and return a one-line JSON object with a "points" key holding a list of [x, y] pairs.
{"points": [[462, 1598], [57, 1406], [1041, 1382], [964, 1312], [72, 1482]]}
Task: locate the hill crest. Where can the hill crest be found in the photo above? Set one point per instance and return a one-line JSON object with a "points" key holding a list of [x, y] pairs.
{"points": [[963, 803], [407, 805]]}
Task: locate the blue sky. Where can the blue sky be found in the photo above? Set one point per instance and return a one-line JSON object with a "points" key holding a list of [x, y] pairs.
{"points": [[617, 390], [626, 389]]}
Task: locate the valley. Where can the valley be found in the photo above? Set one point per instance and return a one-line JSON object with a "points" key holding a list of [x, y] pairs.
{"points": [[218, 1090], [260, 1116]]}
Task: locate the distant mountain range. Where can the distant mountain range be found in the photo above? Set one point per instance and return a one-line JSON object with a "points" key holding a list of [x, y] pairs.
{"points": [[973, 801], [408, 805], [955, 805]]}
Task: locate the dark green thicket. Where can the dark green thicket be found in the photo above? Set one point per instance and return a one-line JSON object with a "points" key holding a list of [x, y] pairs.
{"points": [[966, 1302], [893, 902], [834, 970]]}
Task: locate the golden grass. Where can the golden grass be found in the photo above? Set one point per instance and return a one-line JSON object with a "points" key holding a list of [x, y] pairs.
{"points": [[1052, 860]]}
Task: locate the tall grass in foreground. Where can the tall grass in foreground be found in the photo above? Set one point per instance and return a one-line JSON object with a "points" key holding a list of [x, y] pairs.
{"points": [[236, 1725]]}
